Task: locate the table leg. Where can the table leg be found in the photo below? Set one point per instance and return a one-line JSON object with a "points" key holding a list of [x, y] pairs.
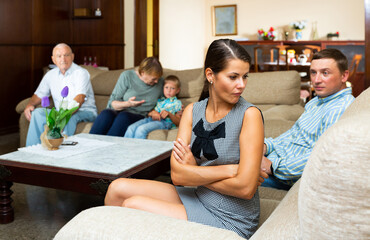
{"points": [[6, 209]]}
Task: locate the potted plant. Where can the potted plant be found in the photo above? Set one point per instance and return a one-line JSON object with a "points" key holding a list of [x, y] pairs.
{"points": [[56, 120], [270, 35]]}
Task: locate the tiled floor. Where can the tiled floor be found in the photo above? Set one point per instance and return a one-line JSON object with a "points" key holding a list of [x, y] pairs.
{"points": [[41, 212]]}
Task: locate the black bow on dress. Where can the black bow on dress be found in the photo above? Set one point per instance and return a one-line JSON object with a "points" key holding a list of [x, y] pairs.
{"points": [[204, 140]]}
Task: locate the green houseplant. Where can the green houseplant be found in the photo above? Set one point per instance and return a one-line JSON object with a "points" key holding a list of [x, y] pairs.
{"points": [[56, 120]]}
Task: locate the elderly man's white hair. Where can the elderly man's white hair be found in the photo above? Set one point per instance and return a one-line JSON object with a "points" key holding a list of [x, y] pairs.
{"points": [[62, 45]]}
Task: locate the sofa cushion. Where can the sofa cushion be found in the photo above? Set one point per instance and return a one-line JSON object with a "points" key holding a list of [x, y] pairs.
{"points": [[192, 81], [360, 104], [269, 200], [103, 83], [275, 127], [93, 71], [101, 102], [334, 195], [287, 112], [283, 222], [281, 87], [124, 223]]}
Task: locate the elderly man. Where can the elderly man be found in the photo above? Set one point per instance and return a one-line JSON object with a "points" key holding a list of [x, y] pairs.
{"points": [[285, 156], [68, 74]]}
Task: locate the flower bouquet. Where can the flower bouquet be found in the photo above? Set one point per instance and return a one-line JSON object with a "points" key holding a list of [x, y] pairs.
{"points": [[298, 27], [270, 35], [57, 120]]}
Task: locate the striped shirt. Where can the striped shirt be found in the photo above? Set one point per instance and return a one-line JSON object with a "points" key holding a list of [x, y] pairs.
{"points": [[290, 151]]}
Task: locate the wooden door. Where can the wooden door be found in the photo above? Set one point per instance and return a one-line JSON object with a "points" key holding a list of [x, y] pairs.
{"points": [[141, 29]]}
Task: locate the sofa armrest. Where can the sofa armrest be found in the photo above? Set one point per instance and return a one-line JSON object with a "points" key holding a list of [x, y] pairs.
{"points": [[22, 105], [283, 223], [124, 223]]}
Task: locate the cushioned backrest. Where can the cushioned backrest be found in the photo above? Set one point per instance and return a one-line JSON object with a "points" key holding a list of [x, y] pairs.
{"points": [[362, 103], [104, 82], [281, 87], [192, 81], [334, 192]]}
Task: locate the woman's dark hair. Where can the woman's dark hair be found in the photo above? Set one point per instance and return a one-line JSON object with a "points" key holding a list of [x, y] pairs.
{"points": [[335, 54], [151, 65], [219, 53]]}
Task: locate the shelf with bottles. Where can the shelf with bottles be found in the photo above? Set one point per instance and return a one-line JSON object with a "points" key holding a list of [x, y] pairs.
{"points": [[87, 13]]}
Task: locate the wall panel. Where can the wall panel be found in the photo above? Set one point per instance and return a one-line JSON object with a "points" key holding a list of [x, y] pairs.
{"points": [[105, 30], [51, 21], [15, 81], [31, 28], [15, 22]]}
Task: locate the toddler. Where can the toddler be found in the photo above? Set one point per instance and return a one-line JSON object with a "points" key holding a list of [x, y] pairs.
{"points": [[164, 114]]}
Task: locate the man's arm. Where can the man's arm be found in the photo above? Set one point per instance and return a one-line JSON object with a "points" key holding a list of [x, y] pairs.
{"points": [[35, 100], [80, 99], [292, 168]]}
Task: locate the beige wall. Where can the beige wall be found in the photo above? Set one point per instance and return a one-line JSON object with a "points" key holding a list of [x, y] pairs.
{"points": [[186, 25], [345, 16], [129, 32], [181, 33]]}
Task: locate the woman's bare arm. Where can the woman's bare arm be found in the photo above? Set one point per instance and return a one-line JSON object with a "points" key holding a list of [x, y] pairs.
{"points": [[246, 181], [184, 170]]}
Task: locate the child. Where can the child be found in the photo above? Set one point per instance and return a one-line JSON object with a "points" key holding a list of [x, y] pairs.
{"points": [[164, 114]]}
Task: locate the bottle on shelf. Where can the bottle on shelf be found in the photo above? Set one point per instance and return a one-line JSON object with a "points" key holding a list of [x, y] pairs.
{"points": [[95, 63], [90, 61], [85, 60], [98, 12]]}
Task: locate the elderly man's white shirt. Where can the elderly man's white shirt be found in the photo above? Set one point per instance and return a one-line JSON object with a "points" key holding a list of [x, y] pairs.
{"points": [[78, 81]]}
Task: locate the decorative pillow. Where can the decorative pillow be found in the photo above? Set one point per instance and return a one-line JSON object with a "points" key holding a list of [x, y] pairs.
{"points": [[334, 194]]}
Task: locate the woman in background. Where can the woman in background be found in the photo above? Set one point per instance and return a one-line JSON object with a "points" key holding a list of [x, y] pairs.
{"points": [[134, 96]]}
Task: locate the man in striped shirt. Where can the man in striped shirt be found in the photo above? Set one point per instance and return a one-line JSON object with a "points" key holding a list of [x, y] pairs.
{"points": [[285, 156]]}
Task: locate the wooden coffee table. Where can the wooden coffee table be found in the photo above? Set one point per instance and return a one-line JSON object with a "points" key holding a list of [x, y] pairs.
{"points": [[86, 172]]}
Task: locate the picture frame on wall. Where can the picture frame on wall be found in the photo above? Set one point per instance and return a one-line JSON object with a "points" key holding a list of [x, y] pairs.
{"points": [[224, 20]]}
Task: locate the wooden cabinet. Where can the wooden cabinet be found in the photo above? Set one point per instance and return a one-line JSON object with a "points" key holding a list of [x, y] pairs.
{"points": [[30, 30], [349, 48]]}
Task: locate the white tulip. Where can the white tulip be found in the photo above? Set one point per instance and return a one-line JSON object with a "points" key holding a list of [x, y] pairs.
{"points": [[73, 104], [64, 104]]}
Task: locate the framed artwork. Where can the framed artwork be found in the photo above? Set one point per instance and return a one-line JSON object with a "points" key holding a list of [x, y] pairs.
{"points": [[224, 20]]}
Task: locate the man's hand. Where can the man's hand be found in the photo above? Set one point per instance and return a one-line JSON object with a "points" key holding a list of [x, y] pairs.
{"points": [[134, 103], [263, 176], [28, 111], [266, 165], [264, 149]]}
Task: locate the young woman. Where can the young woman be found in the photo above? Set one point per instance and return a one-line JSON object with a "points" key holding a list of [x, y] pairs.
{"points": [[207, 154]]}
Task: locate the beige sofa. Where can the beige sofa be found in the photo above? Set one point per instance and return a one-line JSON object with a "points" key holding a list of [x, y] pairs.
{"points": [[330, 201], [277, 94]]}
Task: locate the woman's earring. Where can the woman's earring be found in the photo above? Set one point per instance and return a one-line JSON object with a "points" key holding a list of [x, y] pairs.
{"points": [[211, 82]]}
